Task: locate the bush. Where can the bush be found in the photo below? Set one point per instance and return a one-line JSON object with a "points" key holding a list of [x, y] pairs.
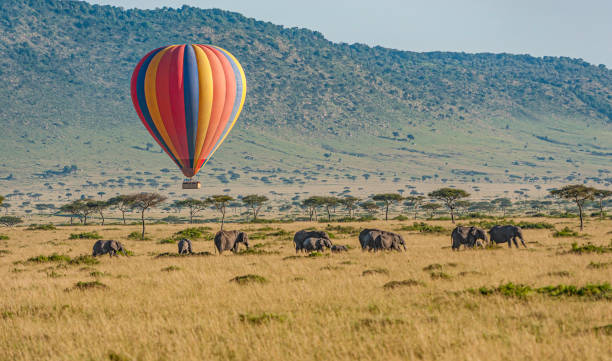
{"points": [[401, 217], [137, 236], [4, 237], [595, 291], [374, 271], [41, 227], [258, 319], [404, 283], [89, 285], [85, 235], [52, 258], [589, 248], [170, 268], [440, 275], [566, 232], [343, 229], [423, 227], [84, 259], [248, 279], [167, 241]]}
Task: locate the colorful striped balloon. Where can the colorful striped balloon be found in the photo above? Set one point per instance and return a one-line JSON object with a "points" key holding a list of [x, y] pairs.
{"points": [[189, 97]]}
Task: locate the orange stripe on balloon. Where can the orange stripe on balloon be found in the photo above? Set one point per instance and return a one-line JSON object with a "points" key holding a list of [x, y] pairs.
{"points": [[230, 95], [218, 103]]}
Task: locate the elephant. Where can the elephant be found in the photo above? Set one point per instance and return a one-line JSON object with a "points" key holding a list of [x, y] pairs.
{"points": [[229, 240], [388, 240], [184, 246], [338, 248], [107, 246], [316, 244], [467, 236], [367, 239], [302, 235], [503, 234]]}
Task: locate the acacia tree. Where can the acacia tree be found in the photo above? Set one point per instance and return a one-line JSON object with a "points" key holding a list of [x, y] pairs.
{"points": [[311, 204], [329, 203], [350, 203], [370, 207], [144, 201], [600, 195], [6, 207], [388, 199], [254, 202], [10, 221], [414, 202], [578, 193], [220, 202], [449, 196], [98, 206], [431, 207], [194, 206], [503, 203], [122, 203], [72, 208]]}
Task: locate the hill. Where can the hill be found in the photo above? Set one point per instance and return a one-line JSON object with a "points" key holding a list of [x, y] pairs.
{"points": [[316, 111]]}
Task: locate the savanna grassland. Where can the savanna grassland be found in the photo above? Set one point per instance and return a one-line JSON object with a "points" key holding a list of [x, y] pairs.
{"points": [[446, 305]]}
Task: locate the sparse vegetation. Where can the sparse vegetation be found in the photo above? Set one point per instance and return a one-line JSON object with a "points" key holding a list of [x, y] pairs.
{"points": [[404, 283], [85, 235], [566, 232], [248, 279]]}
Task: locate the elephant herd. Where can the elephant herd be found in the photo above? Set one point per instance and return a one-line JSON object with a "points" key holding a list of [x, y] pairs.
{"points": [[471, 236], [370, 239]]}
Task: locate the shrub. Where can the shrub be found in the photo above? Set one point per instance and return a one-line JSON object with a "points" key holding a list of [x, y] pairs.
{"points": [[195, 254], [599, 265], [248, 279], [4, 237], [404, 283], [258, 319], [85, 235], [167, 241], [589, 248], [137, 236], [401, 217], [89, 285], [433, 266], [52, 258], [41, 227], [84, 259], [343, 229], [170, 268], [255, 251], [440, 275], [374, 271], [566, 232], [423, 227], [595, 291]]}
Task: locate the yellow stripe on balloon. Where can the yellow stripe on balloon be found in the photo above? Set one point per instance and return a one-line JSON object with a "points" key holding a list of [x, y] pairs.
{"points": [[242, 98], [151, 97], [205, 100]]}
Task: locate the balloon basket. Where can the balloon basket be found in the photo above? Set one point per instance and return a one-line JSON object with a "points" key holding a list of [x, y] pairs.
{"points": [[191, 185]]}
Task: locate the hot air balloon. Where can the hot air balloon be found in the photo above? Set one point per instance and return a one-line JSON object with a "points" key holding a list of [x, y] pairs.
{"points": [[189, 97]]}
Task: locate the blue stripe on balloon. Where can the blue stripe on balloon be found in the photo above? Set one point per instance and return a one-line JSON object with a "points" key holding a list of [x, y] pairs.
{"points": [[239, 92], [142, 102], [191, 93]]}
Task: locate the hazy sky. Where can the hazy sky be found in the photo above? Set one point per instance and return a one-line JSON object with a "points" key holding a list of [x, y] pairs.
{"points": [[574, 28]]}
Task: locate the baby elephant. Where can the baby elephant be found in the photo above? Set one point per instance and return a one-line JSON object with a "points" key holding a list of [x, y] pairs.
{"points": [[316, 244], [338, 248], [108, 246], [184, 246]]}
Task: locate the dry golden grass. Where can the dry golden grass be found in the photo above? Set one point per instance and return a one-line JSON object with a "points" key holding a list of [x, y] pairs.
{"points": [[321, 308]]}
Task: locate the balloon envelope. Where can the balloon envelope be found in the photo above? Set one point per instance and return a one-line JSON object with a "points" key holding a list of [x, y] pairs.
{"points": [[188, 97]]}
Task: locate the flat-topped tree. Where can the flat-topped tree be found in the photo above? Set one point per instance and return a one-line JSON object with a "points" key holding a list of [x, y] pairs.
{"points": [[449, 196], [220, 202], [600, 195], [254, 202], [311, 204], [6, 207], [194, 206], [329, 203], [432, 208], [388, 199], [122, 203], [503, 204], [370, 207], [10, 221], [414, 202], [144, 201], [73, 209], [98, 206], [350, 203], [578, 193]]}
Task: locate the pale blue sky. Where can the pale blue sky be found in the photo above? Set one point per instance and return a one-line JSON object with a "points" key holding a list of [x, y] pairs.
{"points": [[574, 28]]}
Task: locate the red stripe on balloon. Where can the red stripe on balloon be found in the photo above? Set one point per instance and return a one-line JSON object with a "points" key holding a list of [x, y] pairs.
{"points": [[219, 91], [177, 102], [230, 95]]}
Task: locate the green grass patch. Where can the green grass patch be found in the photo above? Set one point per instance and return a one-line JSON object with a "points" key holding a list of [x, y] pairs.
{"points": [[170, 269], [136, 236], [599, 265], [41, 227], [4, 237], [432, 267], [85, 235], [261, 318], [439, 275], [423, 227], [566, 232], [559, 274], [167, 241], [592, 291], [589, 248], [604, 330], [173, 255], [401, 217], [343, 229], [55, 257], [249, 279], [405, 283], [194, 232], [255, 251], [84, 259], [375, 271], [316, 254], [4, 251]]}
